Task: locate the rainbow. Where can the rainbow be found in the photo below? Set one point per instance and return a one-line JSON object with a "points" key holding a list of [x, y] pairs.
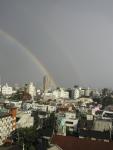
{"points": [[30, 55]]}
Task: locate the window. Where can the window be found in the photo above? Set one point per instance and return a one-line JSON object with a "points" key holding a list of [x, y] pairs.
{"points": [[68, 122], [108, 115]]}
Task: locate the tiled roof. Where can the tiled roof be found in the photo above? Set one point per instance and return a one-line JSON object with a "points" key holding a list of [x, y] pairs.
{"points": [[73, 143]]}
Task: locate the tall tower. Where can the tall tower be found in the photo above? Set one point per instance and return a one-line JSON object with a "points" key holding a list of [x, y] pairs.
{"points": [[46, 83]]}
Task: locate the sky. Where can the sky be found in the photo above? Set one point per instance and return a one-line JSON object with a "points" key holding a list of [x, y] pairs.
{"points": [[73, 39]]}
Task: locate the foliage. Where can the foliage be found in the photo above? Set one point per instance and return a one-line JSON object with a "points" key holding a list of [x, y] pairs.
{"points": [[107, 101], [33, 138], [27, 136], [98, 100], [106, 92]]}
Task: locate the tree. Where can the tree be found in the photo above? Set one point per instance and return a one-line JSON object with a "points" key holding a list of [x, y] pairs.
{"points": [[98, 100], [106, 92], [107, 101], [26, 136], [32, 147]]}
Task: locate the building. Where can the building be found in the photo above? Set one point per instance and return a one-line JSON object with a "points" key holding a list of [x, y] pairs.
{"points": [[95, 128], [73, 143], [95, 93], [26, 106], [51, 108], [82, 92], [24, 120], [71, 93], [48, 95], [7, 123], [32, 90], [85, 100], [46, 83], [56, 93], [102, 125], [5, 127], [64, 94], [87, 92], [67, 123], [16, 104], [76, 93], [107, 115], [60, 93], [7, 90]]}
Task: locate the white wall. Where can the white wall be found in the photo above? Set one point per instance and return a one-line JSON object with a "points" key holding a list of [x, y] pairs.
{"points": [[76, 93], [32, 89], [7, 90]]}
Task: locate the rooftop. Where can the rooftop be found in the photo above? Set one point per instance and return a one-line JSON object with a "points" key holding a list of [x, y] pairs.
{"points": [[73, 143]]}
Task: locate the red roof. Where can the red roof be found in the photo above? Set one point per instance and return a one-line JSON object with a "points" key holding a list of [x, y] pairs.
{"points": [[73, 143]]}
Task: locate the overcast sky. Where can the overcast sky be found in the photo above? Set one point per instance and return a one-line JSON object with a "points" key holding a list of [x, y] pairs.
{"points": [[73, 39]]}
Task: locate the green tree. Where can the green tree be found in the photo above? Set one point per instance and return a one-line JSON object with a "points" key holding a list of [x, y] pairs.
{"points": [[107, 101], [98, 100], [26, 136], [32, 147]]}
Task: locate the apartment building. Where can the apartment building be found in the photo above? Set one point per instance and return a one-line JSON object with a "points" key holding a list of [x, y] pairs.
{"points": [[7, 124]]}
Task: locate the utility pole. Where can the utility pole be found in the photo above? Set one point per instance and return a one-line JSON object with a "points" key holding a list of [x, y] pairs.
{"points": [[23, 146], [18, 136], [110, 132]]}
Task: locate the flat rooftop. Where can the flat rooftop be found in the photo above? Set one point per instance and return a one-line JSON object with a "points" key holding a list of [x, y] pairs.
{"points": [[73, 143]]}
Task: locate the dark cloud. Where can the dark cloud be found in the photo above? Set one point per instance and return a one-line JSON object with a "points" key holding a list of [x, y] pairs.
{"points": [[73, 39]]}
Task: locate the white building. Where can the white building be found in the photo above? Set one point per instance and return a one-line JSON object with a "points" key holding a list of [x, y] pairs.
{"points": [[7, 90], [47, 95], [107, 115], [69, 122], [5, 128], [64, 94], [95, 93], [16, 104], [61, 93], [26, 106], [56, 94], [84, 101], [39, 91], [51, 108], [82, 92], [7, 124], [87, 92], [32, 89], [42, 107], [69, 115], [26, 120], [76, 93]]}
